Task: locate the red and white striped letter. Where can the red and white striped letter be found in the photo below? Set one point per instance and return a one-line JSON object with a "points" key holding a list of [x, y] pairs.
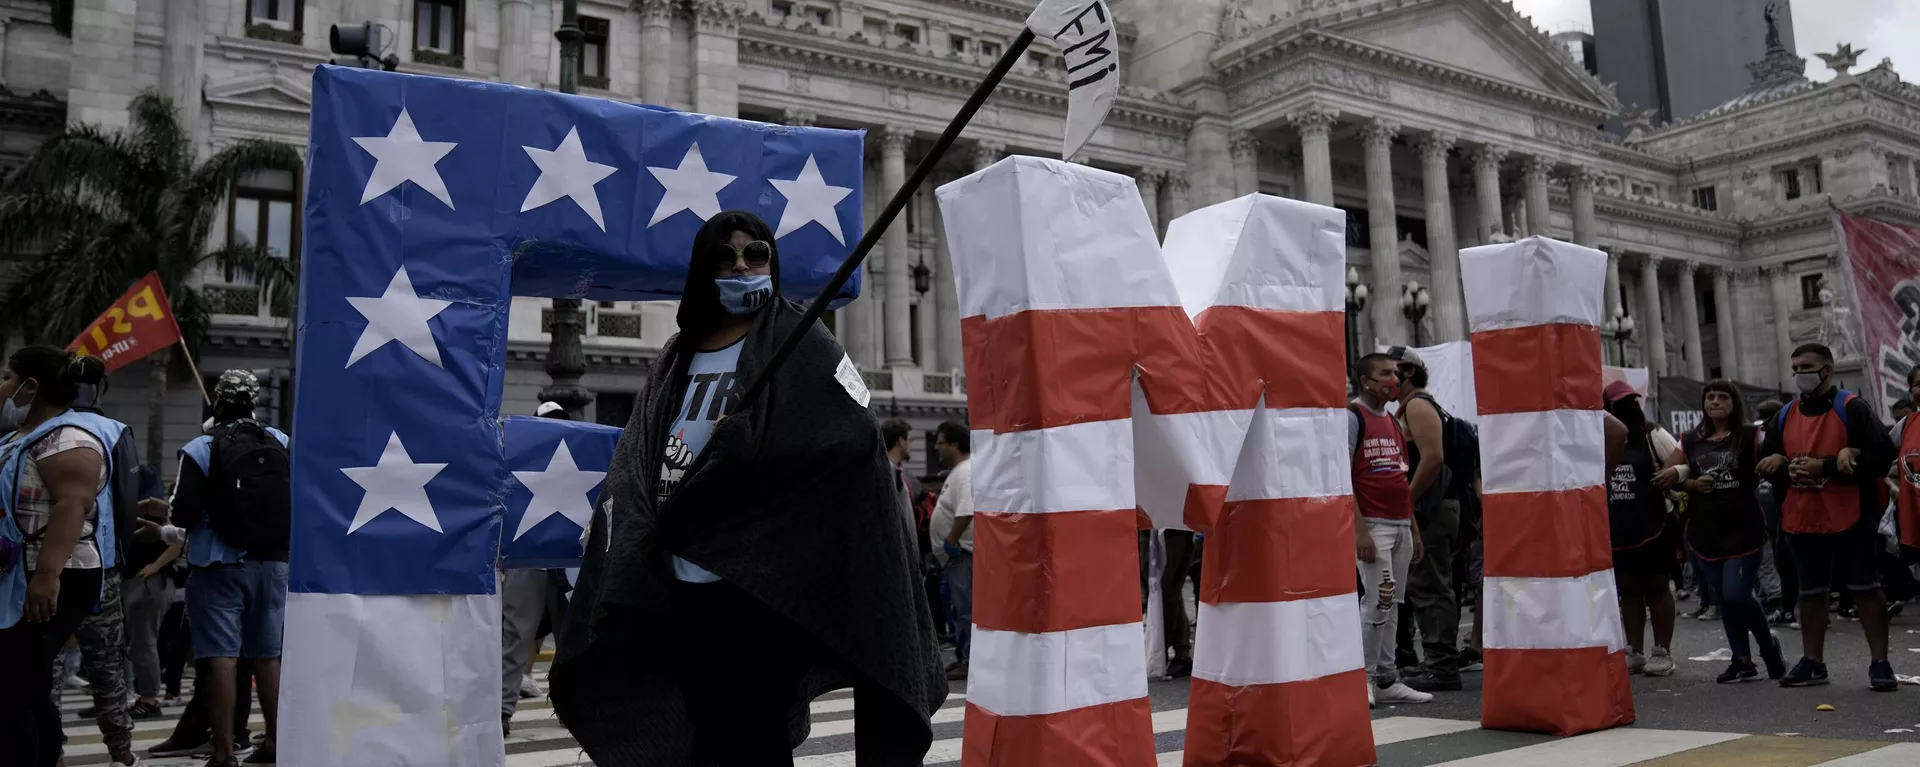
{"points": [[1554, 643], [1235, 429]]}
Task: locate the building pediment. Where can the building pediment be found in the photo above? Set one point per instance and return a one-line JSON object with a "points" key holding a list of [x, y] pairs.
{"points": [[270, 90], [1478, 42]]}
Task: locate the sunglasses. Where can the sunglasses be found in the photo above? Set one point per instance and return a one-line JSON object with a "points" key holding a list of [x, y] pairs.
{"points": [[756, 254]]}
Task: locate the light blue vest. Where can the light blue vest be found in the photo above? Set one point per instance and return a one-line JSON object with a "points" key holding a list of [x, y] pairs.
{"points": [[13, 584], [108, 431]]}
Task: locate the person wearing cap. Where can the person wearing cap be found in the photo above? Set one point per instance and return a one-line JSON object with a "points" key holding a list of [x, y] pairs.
{"points": [[1829, 452], [1437, 495], [236, 597], [1645, 540]]}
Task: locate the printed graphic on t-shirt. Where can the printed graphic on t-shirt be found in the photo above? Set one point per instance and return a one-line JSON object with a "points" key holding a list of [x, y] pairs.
{"points": [[673, 466], [1910, 468], [709, 396], [1620, 486], [1718, 470], [1383, 455]]}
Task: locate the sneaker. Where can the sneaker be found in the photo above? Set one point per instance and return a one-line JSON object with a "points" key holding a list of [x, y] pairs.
{"points": [[241, 748], [74, 682], [1399, 692], [144, 709], [1709, 614], [1849, 613], [958, 673], [1682, 595], [1740, 670], [169, 748], [1770, 654], [1370, 701], [1880, 677], [1636, 662], [261, 755], [506, 725], [1807, 673], [232, 762], [1180, 667], [1660, 663], [1427, 682], [530, 688], [1781, 617], [259, 738], [132, 760], [1472, 661]]}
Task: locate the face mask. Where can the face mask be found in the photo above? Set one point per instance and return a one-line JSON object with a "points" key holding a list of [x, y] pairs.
{"points": [[1388, 391], [11, 415], [1808, 382], [745, 294]]}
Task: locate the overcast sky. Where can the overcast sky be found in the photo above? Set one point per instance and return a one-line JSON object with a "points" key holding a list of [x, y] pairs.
{"points": [[1886, 28]]}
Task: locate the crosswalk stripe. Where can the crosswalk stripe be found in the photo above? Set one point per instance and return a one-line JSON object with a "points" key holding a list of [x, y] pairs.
{"points": [[1608, 748], [1896, 755]]}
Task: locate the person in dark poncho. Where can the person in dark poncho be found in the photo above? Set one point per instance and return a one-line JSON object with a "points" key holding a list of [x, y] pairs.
{"points": [[747, 556]]}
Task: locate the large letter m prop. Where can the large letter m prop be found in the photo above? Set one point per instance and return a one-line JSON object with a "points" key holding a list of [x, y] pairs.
{"points": [[1201, 384]]}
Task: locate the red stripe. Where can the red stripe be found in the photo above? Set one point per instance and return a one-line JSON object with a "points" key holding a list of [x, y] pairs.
{"points": [[1107, 735], [1040, 369], [1322, 722], [1557, 534], [1589, 691], [1039, 573], [1537, 368], [1280, 550]]}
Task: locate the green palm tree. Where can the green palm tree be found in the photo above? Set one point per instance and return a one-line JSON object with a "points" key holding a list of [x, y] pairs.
{"points": [[97, 211]]}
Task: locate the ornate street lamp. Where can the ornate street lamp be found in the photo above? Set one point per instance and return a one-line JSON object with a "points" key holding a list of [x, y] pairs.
{"points": [[922, 277], [1356, 303], [1620, 329], [1414, 302]]}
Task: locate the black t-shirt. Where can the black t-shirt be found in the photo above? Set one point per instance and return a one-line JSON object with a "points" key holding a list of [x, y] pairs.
{"points": [[1725, 522], [1636, 509]]}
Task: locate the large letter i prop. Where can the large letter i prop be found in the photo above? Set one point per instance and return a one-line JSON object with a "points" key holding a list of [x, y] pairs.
{"points": [[1554, 644]]}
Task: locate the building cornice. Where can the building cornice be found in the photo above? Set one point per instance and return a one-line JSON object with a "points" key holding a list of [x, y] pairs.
{"points": [[1816, 212], [1668, 215]]}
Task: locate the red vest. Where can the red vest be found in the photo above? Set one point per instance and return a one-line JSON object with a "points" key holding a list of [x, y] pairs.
{"points": [[1907, 470], [1823, 505], [1380, 468]]}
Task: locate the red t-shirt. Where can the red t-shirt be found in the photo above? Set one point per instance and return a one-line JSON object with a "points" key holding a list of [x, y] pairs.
{"points": [[1380, 483]]}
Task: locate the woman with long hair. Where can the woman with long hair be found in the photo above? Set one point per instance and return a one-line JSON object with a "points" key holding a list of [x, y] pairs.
{"points": [[53, 486], [1724, 528], [1644, 538], [749, 555]]}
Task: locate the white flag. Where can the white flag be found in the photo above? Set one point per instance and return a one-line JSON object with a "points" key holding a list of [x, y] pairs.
{"points": [[1088, 43]]}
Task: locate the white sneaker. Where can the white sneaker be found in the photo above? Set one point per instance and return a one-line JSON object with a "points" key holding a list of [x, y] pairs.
{"points": [[1370, 693], [1636, 662], [1401, 693], [1660, 663], [530, 688]]}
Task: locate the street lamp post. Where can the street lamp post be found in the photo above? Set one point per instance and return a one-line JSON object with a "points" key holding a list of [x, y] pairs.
{"points": [[1414, 302], [1620, 329], [566, 361], [1356, 303]]}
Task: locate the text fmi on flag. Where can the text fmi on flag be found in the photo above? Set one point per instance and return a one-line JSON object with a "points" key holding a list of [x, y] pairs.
{"points": [[140, 323], [1084, 30]]}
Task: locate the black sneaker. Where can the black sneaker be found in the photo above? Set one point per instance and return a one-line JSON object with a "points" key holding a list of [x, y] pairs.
{"points": [[1740, 670], [1429, 682], [1782, 618], [1770, 654], [262, 755], [1880, 677], [143, 710], [1807, 673], [1179, 667], [506, 725], [214, 762], [170, 748]]}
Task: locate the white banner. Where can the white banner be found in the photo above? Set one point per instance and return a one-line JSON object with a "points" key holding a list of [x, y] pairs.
{"points": [[1084, 30]]}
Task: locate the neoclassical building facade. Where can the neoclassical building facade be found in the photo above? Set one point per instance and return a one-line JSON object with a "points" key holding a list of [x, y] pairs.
{"points": [[1436, 124]]}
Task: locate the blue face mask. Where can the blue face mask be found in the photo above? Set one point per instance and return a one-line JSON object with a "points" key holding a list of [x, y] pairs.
{"points": [[745, 294]]}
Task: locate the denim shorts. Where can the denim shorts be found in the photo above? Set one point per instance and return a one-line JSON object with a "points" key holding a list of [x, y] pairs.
{"points": [[1830, 561], [236, 611]]}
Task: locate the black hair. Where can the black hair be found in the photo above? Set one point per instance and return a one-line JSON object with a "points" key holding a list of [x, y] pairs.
{"points": [[1416, 375], [700, 306], [57, 372], [1903, 402], [1819, 350], [893, 430], [1363, 368], [1627, 409], [1769, 409], [957, 435], [1734, 419], [1911, 372]]}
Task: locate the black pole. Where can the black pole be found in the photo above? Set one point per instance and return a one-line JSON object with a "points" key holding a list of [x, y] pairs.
{"points": [[888, 214]]}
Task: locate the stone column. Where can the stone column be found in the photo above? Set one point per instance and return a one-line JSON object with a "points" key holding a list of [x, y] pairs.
{"points": [[1539, 217], [1586, 229], [1449, 306], [656, 51], [1723, 323], [1652, 331], [1316, 154], [186, 36], [716, 58], [1149, 183], [3, 51], [1690, 323], [1178, 201], [1486, 187], [1384, 246], [899, 322], [946, 302], [1616, 297], [516, 42], [101, 81], [1782, 323], [1246, 164]]}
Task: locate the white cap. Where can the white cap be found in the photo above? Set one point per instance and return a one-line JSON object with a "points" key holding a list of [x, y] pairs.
{"points": [[548, 408]]}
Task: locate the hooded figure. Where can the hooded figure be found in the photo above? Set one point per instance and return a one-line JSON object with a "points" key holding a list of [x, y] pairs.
{"points": [[747, 556]]}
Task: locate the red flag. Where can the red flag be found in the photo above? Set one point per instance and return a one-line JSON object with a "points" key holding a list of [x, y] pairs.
{"points": [[138, 324]]}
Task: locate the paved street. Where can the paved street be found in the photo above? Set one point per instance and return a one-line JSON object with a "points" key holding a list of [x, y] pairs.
{"points": [[1684, 720]]}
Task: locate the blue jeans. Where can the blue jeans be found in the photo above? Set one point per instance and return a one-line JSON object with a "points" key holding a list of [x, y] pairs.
{"points": [[960, 596], [1732, 582], [237, 610]]}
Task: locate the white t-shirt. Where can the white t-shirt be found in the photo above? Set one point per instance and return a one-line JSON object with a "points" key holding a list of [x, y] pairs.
{"points": [[956, 500]]}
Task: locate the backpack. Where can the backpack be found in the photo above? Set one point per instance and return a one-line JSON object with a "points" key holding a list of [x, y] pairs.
{"points": [[1840, 400], [1461, 442], [249, 488]]}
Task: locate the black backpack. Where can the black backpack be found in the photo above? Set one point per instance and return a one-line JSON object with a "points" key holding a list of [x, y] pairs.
{"points": [[249, 488]]}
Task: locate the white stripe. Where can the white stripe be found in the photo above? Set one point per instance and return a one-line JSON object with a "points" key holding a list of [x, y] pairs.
{"points": [[948, 750], [1609, 748], [842, 704], [1249, 643], [1259, 251], [1554, 613], [1535, 281], [1295, 453], [1083, 467], [1019, 674], [1395, 729], [1896, 755], [1545, 451]]}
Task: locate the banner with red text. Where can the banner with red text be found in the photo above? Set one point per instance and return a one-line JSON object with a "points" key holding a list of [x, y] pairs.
{"points": [[138, 324], [1882, 262]]}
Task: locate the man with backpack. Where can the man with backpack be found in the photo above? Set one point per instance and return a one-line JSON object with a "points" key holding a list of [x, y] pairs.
{"points": [[232, 497], [1444, 455]]}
